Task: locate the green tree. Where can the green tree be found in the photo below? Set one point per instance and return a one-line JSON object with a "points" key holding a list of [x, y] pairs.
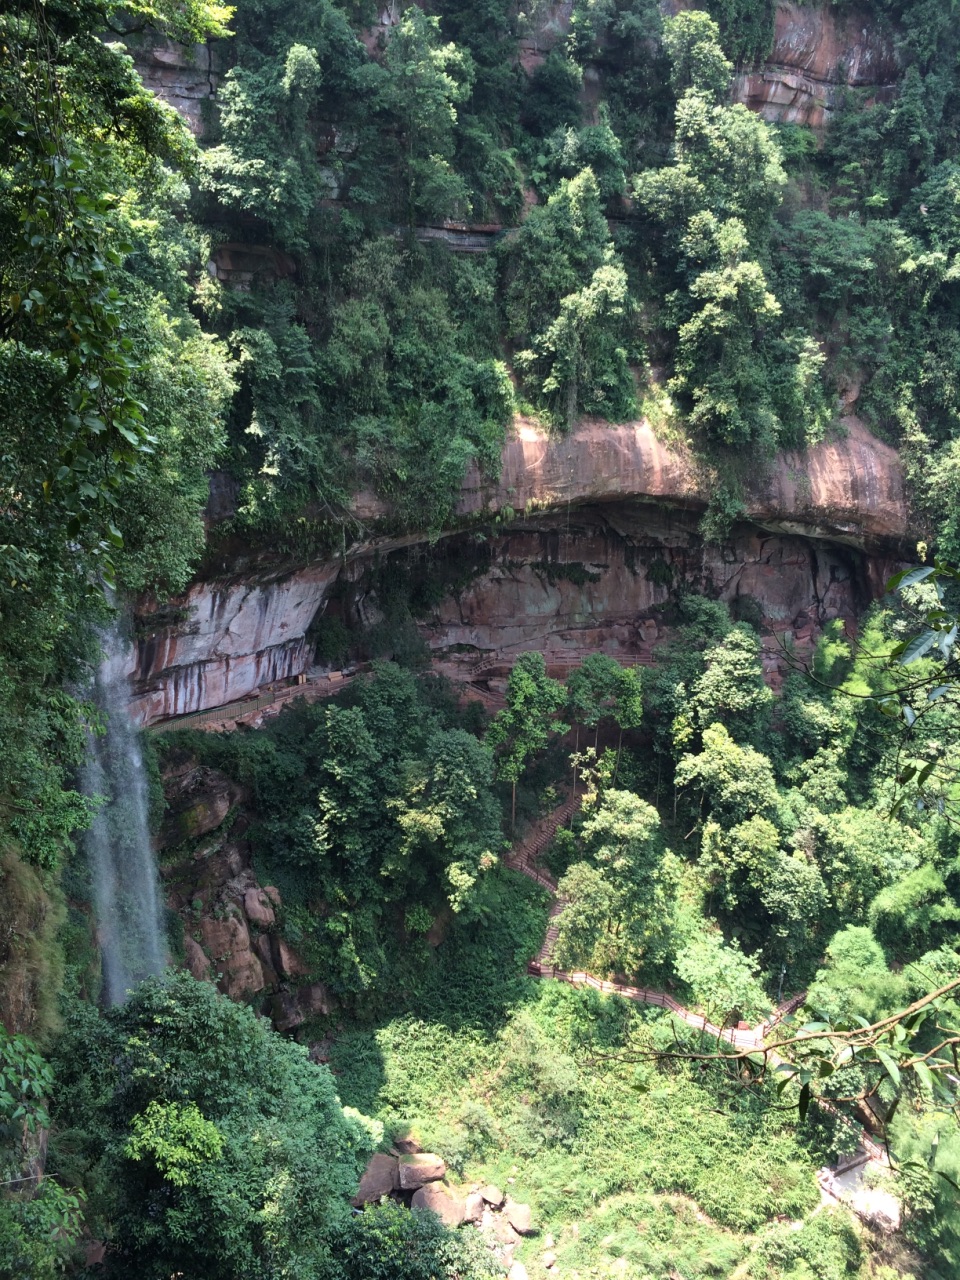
{"points": [[451, 816], [104, 373], [293, 64], [855, 980], [741, 374], [39, 1223], [422, 84], [731, 690], [567, 299], [209, 1144], [524, 726], [740, 860], [592, 691], [736, 783], [618, 911], [692, 44], [915, 913], [722, 979], [393, 1242]]}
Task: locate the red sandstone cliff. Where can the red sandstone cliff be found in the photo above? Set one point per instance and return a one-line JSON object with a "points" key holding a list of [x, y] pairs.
{"points": [[821, 530]]}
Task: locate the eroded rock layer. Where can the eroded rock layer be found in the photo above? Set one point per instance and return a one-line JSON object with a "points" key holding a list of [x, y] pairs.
{"points": [[584, 538]]}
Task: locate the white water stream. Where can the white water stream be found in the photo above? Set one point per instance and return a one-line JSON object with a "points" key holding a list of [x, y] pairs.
{"points": [[123, 871]]}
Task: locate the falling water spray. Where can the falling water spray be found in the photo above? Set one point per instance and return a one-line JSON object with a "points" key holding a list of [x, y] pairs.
{"points": [[123, 871]]}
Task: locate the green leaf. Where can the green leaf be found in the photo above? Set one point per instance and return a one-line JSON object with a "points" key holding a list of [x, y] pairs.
{"points": [[803, 1102], [917, 647], [926, 1077], [910, 577], [890, 1066]]}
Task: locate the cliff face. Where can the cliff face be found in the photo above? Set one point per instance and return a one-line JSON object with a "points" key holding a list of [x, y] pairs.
{"points": [[586, 535], [816, 55], [183, 77]]}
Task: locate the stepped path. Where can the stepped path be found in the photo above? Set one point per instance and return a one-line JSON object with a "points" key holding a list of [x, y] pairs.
{"points": [[269, 700], [525, 858]]}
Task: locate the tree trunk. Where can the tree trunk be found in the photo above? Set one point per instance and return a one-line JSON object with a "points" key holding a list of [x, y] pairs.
{"points": [[513, 811]]}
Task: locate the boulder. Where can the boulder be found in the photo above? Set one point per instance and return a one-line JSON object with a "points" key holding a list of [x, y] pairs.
{"points": [[273, 893], [473, 1207], [447, 1206], [380, 1177], [320, 1052], [517, 1272], [549, 1259], [520, 1217], [440, 928], [418, 1169], [408, 1145], [197, 962], [222, 862], [314, 1001], [198, 800], [264, 950], [284, 1012], [228, 944], [504, 1233], [288, 962], [493, 1195], [258, 908]]}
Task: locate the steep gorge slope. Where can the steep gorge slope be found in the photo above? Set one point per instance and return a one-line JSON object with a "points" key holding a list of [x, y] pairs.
{"points": [[819, 529]]}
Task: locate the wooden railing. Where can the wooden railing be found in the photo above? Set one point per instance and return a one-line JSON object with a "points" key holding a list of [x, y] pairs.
{"points": [[742, 1039]]}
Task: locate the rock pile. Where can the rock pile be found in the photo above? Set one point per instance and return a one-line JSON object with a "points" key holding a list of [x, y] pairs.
{"points": [[232, 923], [419, 1179]]}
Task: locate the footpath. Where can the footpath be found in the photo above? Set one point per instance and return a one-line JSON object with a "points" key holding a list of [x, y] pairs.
{"points": [[525, 858], [843, 1182]]}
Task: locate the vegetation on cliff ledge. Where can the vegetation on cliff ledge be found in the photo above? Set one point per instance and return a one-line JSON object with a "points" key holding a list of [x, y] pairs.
{"points": [[644, 244]]}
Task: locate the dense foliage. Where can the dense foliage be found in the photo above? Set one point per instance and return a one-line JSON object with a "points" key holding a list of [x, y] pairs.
{"points": [[628, 1167], [209, 1145], [644, 244]]}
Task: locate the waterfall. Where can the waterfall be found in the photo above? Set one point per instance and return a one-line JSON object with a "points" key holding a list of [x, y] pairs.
{"points": [[126, 893]]}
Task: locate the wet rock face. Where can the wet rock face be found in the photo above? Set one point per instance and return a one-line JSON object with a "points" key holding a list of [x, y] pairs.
{"points": [[600, 581], [198, 799], [231, 923], [223, 639], [228, 944]]}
